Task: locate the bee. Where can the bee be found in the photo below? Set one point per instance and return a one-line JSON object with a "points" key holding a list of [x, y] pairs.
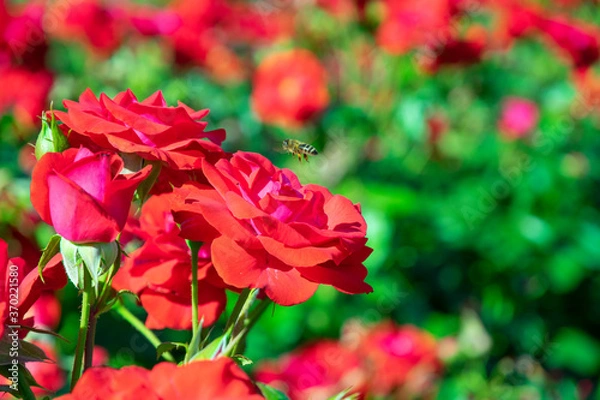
{"points": [[299, 149]]}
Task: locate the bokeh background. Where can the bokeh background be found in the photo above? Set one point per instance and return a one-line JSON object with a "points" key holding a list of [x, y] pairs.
{"points": [[467, 131]]}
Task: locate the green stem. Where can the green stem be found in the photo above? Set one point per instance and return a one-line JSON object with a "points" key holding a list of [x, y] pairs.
{"points": [[235, 313], [245, 322], [83, 329], [23, 386], [106, 287], [141, 328], [90, 340], [194, 248]]}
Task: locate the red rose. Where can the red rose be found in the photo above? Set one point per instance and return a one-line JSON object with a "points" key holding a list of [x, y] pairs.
{"points": [[149, 129], [268, 231], [82, 195], [317, 371], [289, 88], [15, 273], [219, 379], [159, 272]]}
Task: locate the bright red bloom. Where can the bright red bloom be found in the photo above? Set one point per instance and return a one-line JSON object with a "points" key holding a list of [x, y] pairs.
{"points": [[399, 357], [82, 195], [160, 273], [281, 84], [149, 129], [518, 118], [219, 379], [268, 231], [16, 274], [318, 371]]}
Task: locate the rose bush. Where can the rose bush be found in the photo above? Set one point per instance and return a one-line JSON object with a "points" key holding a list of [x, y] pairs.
{"points": [[268, 231], [82, 195]]}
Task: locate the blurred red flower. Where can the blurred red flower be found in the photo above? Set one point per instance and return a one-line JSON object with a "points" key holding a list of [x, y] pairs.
{"points": [[82, 195], [289, 88], [211, 380], [408, 24], [99, 25], [578, 42], [24, 93], [149, 129], [100, 356], [518, 117], [47, 373], [47, 310], [15, 273], [402, 358], [268, 231], [159, 272], [150, 21], [318, 371], [22, 37]]}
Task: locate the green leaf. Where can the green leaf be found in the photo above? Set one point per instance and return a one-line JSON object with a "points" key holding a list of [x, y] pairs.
{"points": [[345, 396], [144, 187], [26, 352], [242, 360], [271, 393], [210, 352], [71, 262], [51, 249], [98, 257], [195, 342], [7, 389], [168, 346]]}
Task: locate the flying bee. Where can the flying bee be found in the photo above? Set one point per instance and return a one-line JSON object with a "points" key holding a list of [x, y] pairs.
{"points": [[299, 149]]}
